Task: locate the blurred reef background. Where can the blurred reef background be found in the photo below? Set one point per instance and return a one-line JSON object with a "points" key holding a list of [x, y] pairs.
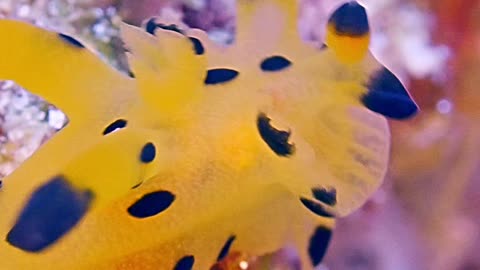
{"points": [[427, 213]]}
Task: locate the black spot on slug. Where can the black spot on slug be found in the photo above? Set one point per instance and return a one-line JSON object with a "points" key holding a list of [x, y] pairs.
{"points": [[350, 19], [197, 46], [171, 27], [276, 139], [316, 208], [327, 196], [387, 96], [148, 153], [275, 63], [318, 244], [117, 124], [151, 26], [70, 40], [226, 248], [151, 204], [185, 263], [52, 210], [220, 75]]}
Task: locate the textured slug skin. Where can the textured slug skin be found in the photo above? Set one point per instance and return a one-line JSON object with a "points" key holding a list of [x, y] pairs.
{"points": [[207, 150]]}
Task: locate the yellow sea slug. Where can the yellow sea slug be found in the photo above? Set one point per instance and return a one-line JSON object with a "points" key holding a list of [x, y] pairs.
{"points": [[204, 149]]}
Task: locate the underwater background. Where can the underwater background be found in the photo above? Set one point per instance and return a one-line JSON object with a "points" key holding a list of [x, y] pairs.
{"points": [[425, 215]]}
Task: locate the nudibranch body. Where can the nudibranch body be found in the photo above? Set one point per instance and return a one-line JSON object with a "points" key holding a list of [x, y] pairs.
{"points": [[204, 149]]}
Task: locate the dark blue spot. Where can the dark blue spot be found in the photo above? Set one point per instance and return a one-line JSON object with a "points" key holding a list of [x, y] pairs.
{"points": [[197, 46], [151, 26], [226, 248], [275, 63], [118, 124], [70, 40], [220, 75], [276, 139], [53, 209], [316, 208], [148, 153], [151, 204], [319, 244], [387, 96], [350, 19], [327, 196], [185, 263], [171, 27]]}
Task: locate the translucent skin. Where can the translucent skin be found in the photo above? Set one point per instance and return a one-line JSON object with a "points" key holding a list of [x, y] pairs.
{"points": [[225, 178]]}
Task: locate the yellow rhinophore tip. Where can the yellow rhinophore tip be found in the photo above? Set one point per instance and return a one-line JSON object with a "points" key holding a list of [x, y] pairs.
{"points": [[348, 49]]}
